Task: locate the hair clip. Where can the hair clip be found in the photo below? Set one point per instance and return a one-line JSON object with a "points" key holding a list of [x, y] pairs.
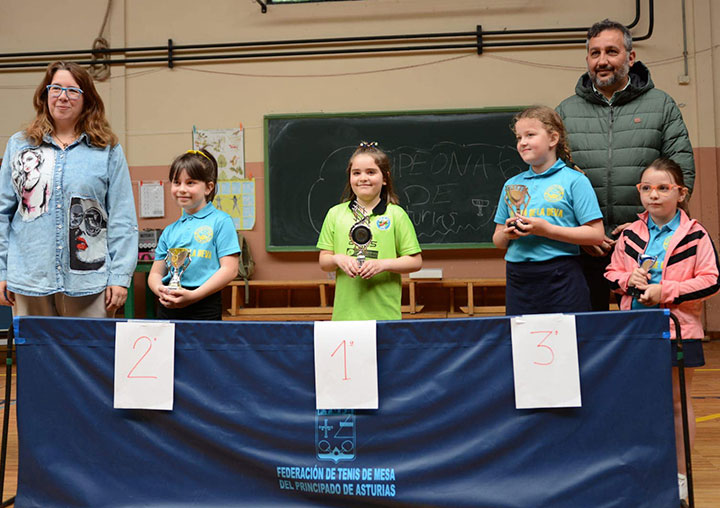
{"points": [[198, 152], [368, 144]]}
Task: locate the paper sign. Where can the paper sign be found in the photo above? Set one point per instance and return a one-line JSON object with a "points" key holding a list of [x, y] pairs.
{"points": [[152, 199], [144, 365], [545, 361], [346, 365]]}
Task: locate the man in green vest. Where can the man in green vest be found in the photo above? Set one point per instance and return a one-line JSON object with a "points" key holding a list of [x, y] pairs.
{"points": [[617, 124]]}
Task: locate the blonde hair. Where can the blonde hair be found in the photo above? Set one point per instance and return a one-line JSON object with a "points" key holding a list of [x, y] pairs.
{"points": [[92, 119], [553, 123]]}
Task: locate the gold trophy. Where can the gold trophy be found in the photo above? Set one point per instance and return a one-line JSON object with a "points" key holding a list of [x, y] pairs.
{"points": [[177, 262], [360, 233], [517, 198]]}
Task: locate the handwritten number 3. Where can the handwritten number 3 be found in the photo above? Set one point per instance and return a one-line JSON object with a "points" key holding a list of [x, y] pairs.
{"points": [[147, 352], [540, 344]]}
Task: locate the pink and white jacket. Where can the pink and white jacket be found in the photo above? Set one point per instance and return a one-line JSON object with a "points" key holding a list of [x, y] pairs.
{"points": [[689, 274]]}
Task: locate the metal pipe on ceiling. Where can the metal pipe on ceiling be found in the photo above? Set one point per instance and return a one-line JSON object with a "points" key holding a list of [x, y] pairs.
{"points": [[174, 53]]}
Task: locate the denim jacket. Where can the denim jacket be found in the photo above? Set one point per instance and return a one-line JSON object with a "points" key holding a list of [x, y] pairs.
{"points": [[67, 218]]}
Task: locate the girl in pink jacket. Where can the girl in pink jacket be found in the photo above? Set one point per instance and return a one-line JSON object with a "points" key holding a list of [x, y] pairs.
{"points": [[683, 272]]}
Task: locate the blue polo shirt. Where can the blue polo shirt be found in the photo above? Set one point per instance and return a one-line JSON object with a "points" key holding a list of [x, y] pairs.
{"points": [[560, 195], [657, 246], [209, 234]]}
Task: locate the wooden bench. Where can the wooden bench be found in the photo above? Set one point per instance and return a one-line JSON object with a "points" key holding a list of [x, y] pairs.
{"points": [[289, 312], [471, 309], [323, 311]]}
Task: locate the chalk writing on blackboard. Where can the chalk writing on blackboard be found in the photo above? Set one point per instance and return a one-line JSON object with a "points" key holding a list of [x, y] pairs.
{"points": [[446, 190], [448, 170]]}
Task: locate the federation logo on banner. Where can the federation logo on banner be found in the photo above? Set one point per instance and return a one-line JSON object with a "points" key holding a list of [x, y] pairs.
{"points": [[335, 434]]}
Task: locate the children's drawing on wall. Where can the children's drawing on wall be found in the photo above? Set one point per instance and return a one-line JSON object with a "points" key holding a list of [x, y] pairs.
{"points": [[237, 198], [235, 194]]}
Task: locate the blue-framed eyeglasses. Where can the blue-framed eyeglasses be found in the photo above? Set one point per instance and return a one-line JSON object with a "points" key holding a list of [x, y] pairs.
{"points": [[71, 92]]}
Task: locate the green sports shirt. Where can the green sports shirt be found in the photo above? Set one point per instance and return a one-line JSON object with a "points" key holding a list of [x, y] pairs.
{"points": [[393, 235]]}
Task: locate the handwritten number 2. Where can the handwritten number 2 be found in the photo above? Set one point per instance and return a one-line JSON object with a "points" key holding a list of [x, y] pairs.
{"points": [[147, 352], [541, 345]]}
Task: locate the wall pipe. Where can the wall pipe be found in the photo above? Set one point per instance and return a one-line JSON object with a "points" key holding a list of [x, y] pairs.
{"points": [[685, 50], [173, 53]]}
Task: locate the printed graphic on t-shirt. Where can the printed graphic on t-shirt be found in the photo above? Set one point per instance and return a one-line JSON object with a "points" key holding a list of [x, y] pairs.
{"points": [[88, 234], [554, 193], [383, 223], [32, 175], [204, 234], [371, 251]]}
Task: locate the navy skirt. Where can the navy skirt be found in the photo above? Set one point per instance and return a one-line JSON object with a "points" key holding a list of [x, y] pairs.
{"points": [[555, 285]]}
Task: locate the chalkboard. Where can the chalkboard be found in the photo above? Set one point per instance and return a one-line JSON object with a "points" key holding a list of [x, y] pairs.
{"points": [[448, 168]]}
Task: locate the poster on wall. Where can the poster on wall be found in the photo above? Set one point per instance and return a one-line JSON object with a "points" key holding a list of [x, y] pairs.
{"points": [[235, 193], [237, 199], [228, 147], [152, 199]]}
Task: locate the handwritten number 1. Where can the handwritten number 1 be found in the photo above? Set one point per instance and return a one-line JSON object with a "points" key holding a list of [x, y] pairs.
{"points": [[147, 352], [343, 344], [540, 344]]}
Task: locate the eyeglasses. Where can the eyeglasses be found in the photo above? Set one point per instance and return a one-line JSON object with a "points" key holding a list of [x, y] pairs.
{"points": [[71, 92], [663, 188], [94, 220]]}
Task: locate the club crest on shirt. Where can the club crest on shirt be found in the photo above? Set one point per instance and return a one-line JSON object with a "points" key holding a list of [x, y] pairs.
{"points": [[203, 234], [383, 222], [554, 193]]}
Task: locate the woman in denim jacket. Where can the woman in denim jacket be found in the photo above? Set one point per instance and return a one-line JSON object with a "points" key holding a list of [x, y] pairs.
{"points": [[68, 230]]}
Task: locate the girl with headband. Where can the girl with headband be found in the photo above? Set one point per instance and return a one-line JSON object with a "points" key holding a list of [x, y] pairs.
{"points": [[209, 236]]}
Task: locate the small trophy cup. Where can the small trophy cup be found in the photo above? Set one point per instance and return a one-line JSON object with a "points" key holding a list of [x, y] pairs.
{"points": [[360, 233], [517, 199], [177, 261], [645, 262]]}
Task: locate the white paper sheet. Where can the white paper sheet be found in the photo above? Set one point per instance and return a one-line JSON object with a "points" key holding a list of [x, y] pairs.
{"points": [[144, 365], [545, 361], [152, 199], [346, 365]]}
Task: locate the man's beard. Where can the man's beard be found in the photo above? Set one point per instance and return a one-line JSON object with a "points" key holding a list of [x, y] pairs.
{"points": [[618, 76]]}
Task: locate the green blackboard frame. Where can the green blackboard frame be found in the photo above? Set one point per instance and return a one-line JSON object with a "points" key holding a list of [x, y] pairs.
{"points": [[306, 156]]}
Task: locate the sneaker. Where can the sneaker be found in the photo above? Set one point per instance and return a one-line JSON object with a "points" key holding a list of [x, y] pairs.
{"points": [[682, 486]]}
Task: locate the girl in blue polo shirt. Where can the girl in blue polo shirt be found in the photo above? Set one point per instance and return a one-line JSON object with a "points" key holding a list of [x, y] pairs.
{"points": [[557, 211], [208, 233]]}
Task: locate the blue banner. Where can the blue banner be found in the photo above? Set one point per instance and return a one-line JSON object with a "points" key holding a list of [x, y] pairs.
{"points": [[244, 430]]}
